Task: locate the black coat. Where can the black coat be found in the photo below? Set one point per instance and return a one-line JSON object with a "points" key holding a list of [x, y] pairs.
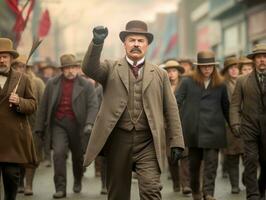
{"points": [[203, 113], [84, 103]]}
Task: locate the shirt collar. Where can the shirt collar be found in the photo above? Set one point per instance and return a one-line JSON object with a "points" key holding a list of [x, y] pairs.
{"points": [[131, 62]]}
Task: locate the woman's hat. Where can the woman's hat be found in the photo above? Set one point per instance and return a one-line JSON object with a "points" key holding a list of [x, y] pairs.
{"points": [[206, 58], [173, 64]]}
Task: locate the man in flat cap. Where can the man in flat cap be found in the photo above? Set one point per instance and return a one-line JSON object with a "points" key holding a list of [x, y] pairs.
{"points": [[67, 110], [248, 119], [17, 102], [129, 129]]}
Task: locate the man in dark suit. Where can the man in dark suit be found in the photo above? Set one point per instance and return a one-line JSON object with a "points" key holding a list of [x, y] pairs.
{"points": [[16, 103], [248, 119], [68, 110]]}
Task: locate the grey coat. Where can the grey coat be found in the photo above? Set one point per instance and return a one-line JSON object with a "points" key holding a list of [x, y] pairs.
{"points": [[203, 113], [84, 103]]}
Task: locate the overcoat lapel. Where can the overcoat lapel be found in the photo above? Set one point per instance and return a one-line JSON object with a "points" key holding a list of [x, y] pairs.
{"points": [[77, 89], [147, 76], [56, 89], [253, 83], [14, 78], [123, 72], [12, 82]]}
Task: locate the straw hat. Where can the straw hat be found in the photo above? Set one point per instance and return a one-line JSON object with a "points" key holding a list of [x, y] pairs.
{"points": [[258, 49], [228, 63], [173, 64]]}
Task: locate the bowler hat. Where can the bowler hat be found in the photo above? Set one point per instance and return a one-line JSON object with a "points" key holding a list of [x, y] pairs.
{"points": [[258, 49], [6, 46], [206, 58], [228, 63], [174, 64], [68, 60], [136, 27]]}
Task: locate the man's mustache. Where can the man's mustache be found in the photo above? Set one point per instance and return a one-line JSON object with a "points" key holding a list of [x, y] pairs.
{"points": [[3, 65], [135, 49]]}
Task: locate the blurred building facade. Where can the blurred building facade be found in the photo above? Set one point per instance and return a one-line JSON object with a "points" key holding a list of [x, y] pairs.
{"points": [[228, 27]]}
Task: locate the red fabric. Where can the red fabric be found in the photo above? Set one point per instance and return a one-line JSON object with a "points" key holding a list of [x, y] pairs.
{"points": [[20, 23], [64, 108], [45, 24]]}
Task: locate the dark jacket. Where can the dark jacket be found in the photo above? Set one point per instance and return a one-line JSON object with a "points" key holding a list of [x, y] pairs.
{"points": [[84, 103], [203, 113]]}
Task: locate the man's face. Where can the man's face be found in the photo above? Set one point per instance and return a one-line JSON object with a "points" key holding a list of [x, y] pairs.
{"points": [[246, 69], [136, 46], [70, 72], [233, 71], [172, 74], [206, 70], [5, 62], [260, 62]]}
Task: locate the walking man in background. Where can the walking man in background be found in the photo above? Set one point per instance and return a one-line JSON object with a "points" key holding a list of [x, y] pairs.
{"points": [[16, 104], [68, 110], [248, 120], [129, 129]]}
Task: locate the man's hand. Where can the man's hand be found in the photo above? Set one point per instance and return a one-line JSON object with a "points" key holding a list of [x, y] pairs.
{"points": [[236, 130], [176, 154], [99, 34], [14, 99]]}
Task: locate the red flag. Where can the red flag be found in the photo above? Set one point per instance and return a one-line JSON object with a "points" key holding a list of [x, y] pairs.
{"points": [[45, 24], [171, 44], [20, 23]]}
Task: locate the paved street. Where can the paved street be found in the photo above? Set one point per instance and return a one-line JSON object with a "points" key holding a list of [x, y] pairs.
{"points": [[44, 188]]}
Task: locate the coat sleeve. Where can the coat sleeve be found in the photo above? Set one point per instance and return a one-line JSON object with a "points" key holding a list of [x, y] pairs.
{"points": [[42, 110], [225, 103], [181, 93], [92, 104], [236, 102], [174, 132], [92, 66], [27, 103]]}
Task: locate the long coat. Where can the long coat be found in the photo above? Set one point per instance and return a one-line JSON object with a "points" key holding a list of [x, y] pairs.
{"points": [[235, 144], [203, 113], [158, 102], [247, 105], [16, 143], [84, 104]]}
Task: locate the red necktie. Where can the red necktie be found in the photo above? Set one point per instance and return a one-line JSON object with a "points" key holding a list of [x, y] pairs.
{"points": [[135, 69]]}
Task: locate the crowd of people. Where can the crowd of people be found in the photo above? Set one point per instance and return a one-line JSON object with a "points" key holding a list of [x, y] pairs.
{"points": [[190, 113]]}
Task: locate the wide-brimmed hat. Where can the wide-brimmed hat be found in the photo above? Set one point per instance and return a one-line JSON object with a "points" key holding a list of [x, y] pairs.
{"points": [[173, 64], [136, 27], [67, 60], [206, 58], [6, 46], [228, 63], [258, 49]]}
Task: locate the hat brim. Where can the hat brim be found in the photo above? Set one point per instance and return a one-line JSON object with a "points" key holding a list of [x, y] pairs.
{"points": [[179, 68], [123, 35], [251, 55], [70, 64], [13, 53], [211, 63]]}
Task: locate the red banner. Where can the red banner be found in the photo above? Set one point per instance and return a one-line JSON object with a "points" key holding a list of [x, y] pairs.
{"points": [[45, 24]]}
